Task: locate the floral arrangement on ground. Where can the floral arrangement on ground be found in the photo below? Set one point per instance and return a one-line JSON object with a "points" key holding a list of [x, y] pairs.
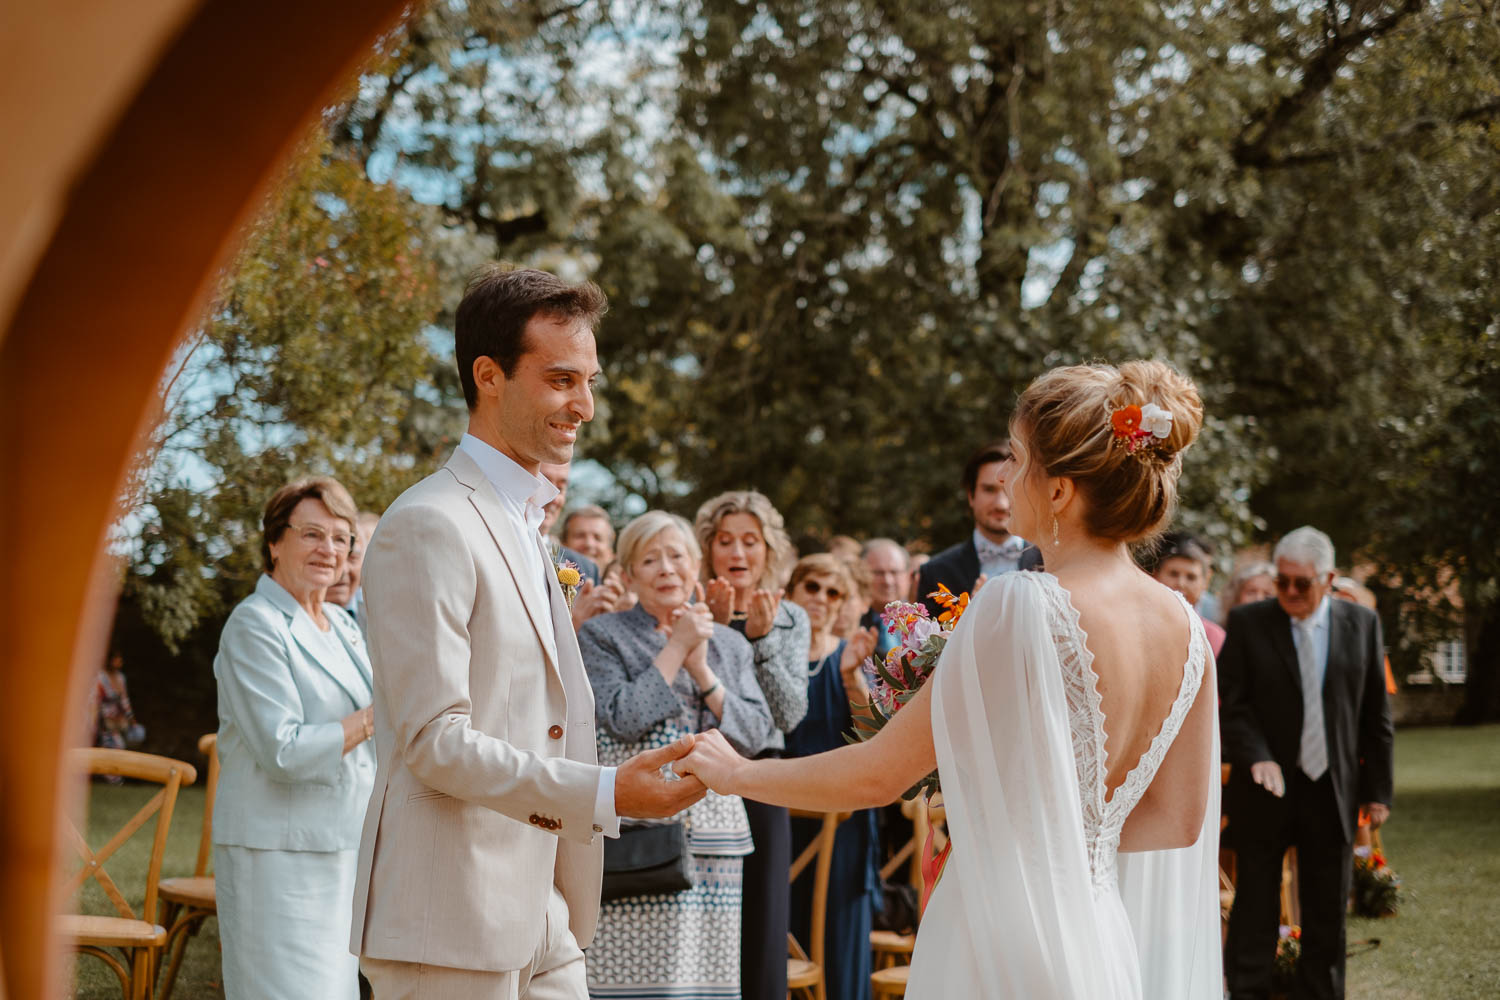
{"points": [[1377, 888]]}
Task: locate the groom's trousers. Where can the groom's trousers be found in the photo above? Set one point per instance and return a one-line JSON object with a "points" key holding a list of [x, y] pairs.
{"points": [[556, 971]]}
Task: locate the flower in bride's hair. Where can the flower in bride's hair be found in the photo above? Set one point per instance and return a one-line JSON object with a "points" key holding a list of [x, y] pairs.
{"points": [[1125, 422], [1156, 421]]}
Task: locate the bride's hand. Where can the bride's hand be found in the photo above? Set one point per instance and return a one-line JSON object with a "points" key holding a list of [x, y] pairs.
{"points": [[712, 761]]}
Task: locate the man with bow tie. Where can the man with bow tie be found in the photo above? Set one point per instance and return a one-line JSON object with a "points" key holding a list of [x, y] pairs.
{"points": [[991, 549]]}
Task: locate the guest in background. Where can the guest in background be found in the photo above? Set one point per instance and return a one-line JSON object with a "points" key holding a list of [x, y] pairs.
{"points": [[114, 718], [836, 686], [296, 762], [1255, 581], [587, 530], [991, 549], [345, 592], [1348, 589], [918, 560], [661, 670], [890, 580], [748, 556], [852, 611], [1183, 563], [1307, 734], [556, 473], [844, 546], [111, 713]]}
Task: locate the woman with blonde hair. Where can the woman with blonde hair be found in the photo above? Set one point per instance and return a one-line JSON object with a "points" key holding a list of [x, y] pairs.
{"points": [[746, 557], [1071, 718]]}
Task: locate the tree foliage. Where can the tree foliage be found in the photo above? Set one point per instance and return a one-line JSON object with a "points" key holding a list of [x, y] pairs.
{"points": [[312, 360], [839, 236]]}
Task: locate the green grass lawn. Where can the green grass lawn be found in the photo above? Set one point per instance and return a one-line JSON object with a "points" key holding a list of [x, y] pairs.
{"points": [[1444, 839]]}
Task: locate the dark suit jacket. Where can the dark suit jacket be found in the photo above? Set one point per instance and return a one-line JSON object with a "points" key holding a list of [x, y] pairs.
{"points": [[1260, 710], [958, 567]]}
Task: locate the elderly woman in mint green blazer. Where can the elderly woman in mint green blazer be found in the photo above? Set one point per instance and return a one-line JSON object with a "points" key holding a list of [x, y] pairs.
{"points": [[296, 761]]}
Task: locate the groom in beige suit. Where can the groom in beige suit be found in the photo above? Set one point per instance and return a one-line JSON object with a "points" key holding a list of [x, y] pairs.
{"points": [[480, 864]]}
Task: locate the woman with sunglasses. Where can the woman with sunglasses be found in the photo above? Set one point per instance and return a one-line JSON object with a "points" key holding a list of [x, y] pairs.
{"points": [[295, 756], [820, 585]]}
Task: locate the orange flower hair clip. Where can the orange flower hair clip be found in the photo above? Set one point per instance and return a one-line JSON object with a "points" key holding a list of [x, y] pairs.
{"points": [[1140, 429]]}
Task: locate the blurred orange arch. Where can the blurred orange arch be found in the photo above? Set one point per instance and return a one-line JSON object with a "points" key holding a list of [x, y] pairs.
{"points": [[140, 137]]}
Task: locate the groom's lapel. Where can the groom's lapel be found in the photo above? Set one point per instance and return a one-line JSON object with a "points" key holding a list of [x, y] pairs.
{"points": [[487, 503]]}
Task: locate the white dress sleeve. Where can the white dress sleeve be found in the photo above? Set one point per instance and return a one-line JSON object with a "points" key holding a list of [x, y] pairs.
{"points": [[1014, 914]]}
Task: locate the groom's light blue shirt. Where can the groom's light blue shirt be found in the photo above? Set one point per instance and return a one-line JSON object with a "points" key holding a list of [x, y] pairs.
{"points": [[522, 496]]}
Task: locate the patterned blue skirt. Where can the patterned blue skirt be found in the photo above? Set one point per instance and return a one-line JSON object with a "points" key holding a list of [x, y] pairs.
{"points": [[685, 945]]}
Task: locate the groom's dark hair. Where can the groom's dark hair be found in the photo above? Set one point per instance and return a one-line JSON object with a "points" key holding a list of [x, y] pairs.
{"points": [[499, 302]]}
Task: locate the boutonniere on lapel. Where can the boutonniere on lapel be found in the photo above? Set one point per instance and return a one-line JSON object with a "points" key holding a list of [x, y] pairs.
{"points": [[568, 577]]}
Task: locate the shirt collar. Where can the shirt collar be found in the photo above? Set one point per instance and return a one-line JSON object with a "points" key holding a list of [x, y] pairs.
{"points": [[510, 480], [1318, 619], [1011, 548]]}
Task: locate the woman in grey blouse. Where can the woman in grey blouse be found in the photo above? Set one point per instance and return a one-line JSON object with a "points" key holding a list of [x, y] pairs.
{"points": [[748, 555], [660, 669]]}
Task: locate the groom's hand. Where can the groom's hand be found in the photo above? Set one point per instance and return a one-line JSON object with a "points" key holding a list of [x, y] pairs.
{"points": [[643, 793]]}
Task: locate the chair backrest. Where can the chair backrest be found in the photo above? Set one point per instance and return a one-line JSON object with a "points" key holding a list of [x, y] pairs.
{"points": [[208, 744], [171, 775], [819, 854], [910, 853]]}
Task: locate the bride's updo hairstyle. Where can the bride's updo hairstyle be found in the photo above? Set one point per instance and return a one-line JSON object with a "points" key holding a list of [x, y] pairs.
{"points": [[1065, 421]]}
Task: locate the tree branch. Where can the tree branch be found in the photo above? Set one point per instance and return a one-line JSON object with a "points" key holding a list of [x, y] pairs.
{"points": [[1488, 111], [1317, 75]]}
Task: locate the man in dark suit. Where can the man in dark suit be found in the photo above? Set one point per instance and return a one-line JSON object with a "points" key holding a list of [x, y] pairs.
{"points": [[1308, 737], [991, 549]]}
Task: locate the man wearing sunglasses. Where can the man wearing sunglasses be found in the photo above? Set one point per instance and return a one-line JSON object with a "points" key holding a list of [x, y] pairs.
{"points": [[1308, 737]]}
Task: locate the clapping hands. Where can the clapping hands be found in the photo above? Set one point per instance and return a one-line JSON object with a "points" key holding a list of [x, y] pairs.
{"points": [[760, 616], [860, 647]]}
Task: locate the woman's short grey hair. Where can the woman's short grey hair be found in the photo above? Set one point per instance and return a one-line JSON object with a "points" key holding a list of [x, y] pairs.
{"points": [[780, 553], [1242, 576], [1306, 545], [646, 527]]}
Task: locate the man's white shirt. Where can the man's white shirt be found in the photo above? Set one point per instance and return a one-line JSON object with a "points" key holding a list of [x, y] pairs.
{"points": [[522, 497]]}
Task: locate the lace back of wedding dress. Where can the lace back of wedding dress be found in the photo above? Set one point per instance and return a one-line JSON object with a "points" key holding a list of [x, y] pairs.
{"points": [[1104, 815]]}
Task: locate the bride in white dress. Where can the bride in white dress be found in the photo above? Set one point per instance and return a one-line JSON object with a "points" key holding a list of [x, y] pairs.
{"points": [[1072, 720]]}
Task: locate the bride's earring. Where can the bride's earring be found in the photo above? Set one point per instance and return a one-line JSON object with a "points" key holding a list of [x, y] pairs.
{"points": [[1056, 538]]}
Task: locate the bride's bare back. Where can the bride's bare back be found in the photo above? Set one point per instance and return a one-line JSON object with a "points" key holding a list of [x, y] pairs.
{"points": [[1139, 637]]}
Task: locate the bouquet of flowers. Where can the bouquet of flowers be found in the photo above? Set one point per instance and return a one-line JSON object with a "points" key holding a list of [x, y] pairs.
{"points": [[1288, 951], [1377, 889], [897, 678]]}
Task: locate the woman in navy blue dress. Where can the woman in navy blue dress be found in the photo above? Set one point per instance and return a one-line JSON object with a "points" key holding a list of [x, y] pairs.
{"points": [[820, 584]]}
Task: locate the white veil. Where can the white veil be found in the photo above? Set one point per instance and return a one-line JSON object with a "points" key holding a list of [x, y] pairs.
{"points": [[1024, 922]]}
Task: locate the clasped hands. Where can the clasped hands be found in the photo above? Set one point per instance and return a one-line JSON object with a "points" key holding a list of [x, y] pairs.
{"points": [[759, 616], [1267, 774]]}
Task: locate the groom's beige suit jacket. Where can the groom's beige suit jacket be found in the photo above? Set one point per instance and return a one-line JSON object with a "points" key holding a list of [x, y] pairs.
{"points": [[484, 736]]}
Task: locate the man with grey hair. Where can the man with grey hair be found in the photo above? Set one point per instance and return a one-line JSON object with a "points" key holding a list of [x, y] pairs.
{"points": [[1307, 734]]}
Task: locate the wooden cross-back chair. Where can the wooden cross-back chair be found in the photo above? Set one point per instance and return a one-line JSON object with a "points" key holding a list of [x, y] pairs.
{"points": [[136, 937], [893, 951], [190, 900], [891, 948], [805, 971]]}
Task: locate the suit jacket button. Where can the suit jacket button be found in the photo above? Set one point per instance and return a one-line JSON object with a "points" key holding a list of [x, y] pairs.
{"points": [[598, 828], [556, 732], [534, 820]]}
